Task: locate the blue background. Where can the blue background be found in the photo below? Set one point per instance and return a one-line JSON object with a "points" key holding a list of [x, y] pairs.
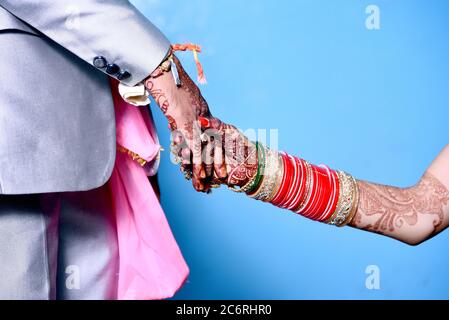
{"points": [[371, 102]]}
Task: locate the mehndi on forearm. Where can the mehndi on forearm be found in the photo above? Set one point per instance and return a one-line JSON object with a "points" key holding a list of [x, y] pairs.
{"points": [[411, 215]]}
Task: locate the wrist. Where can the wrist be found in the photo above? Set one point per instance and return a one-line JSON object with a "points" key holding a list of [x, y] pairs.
{"points": [[246, 175]]}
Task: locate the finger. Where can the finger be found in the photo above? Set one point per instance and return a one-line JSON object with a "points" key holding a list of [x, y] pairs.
{"points": [[197, 167], [199, 174], [177, 137], [195, 145], [208, 157], [186, 169], [216, 181], [215, 132], [209, 169], [176, 146], [219, 165], [198, 183], [186, 156]]}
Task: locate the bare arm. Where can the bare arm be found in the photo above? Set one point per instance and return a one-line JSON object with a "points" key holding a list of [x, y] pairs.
{"points": [[411, 215]]}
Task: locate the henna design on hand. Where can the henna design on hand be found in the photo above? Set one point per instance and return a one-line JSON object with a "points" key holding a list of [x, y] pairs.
{"points": [[196, 98], [232, 155], [172, 123], [182, 105], [158, 96], [240, 156]]}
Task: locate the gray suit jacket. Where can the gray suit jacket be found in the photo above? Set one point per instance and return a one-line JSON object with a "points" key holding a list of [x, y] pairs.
{"points": [[57, 127]]}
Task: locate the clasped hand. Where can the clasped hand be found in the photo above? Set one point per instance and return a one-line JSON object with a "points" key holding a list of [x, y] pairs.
{"points": [[209, 151]]}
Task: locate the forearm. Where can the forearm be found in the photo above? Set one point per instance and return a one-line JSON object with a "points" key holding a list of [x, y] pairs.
{"points": [[411, 215]]}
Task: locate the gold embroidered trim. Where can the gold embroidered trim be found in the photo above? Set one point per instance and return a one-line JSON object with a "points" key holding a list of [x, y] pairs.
{"points": [[133, 155]]}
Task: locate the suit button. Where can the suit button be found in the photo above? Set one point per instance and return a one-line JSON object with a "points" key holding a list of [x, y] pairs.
{"points": [[100, 62], [112, 68], [122, 75]]}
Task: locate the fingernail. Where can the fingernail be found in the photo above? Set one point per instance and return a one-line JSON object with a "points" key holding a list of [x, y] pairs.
{"points": [[178, 139], [204, 122], [223, 172], [186, 153], [202, 174]]}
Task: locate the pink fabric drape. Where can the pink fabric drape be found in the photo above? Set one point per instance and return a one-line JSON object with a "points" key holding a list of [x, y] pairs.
{"points": [[151, 263]]}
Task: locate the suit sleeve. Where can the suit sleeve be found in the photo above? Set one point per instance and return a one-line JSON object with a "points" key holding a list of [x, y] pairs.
{"points": [[111, 35]]}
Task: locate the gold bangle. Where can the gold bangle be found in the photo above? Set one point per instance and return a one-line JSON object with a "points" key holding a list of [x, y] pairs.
{"points": [[261, 154], [165, 66], [355, 203], [346, 199], [269, 176], [278, 179], [340, 198]]}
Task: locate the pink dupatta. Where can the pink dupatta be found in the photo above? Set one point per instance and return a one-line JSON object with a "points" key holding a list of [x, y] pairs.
{"points": [[151, 263]]}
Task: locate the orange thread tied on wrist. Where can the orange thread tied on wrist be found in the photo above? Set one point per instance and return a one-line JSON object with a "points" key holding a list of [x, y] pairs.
{"points": [[195, 49]]}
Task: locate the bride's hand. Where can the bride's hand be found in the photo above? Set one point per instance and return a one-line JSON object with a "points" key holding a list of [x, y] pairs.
{"points": [[182, 105], [228, 154]]}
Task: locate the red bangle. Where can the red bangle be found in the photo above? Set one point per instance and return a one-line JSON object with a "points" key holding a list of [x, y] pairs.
{"points": [[299, 209], [311, 210], [324, 193], [329, 196], [312, 196], [300, 193], [285, 181], [334, 200], [309, 190], [295, 184], [294, 175], [314, 211], [330, 203]]}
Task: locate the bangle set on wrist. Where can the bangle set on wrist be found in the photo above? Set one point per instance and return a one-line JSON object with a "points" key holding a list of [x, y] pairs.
{"points": [[269, 177], [316, 192]]}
